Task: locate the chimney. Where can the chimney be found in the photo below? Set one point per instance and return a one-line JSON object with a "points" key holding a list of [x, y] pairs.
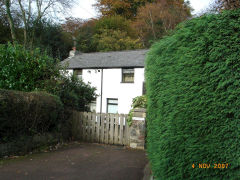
{"points": [[73, 52]]}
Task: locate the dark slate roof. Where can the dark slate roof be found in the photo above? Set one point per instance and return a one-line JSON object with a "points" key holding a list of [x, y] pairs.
{"points": [[116, 59]]}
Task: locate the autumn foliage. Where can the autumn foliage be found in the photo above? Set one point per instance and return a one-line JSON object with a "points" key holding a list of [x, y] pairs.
{"points": [[154, 20], [125, 8], [227, 4], [129, 24]]}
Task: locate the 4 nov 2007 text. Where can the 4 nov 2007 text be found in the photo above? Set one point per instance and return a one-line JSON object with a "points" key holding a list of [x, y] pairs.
{"points": [[207, 166]]}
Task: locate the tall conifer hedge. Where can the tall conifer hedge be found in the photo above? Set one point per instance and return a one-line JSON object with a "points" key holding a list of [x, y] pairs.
{"points": [[193, 90]]}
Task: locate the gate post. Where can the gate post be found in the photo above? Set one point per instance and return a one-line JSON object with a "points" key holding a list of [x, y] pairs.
{"points": [[138, 128]]}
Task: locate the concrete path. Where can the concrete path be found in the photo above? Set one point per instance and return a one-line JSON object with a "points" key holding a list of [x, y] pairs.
{"points": [[78, 162]]}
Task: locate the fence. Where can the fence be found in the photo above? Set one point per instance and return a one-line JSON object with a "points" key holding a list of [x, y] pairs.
{"points": [[101, 128]]}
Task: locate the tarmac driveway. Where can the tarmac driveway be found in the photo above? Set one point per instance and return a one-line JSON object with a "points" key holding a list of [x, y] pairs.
{"points": [[79, 162]]}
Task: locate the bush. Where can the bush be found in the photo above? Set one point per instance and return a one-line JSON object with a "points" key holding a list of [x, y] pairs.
{"points": [[73, 92], [25, 144], [30, 121], [25, 70], [28, 114], [193, 84]]}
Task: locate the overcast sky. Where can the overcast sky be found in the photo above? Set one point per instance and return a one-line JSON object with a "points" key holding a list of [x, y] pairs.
{"points": [[85, 10]]}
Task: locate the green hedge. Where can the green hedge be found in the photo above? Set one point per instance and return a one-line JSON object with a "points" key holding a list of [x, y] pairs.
{"points": [[25, 70], [30, 70], [28, 114], [31, 121], [25, 144], [193, 90]]}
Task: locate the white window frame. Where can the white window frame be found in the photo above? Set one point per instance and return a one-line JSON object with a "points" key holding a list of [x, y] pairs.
{"points": [[108, 99], [123, 73]]}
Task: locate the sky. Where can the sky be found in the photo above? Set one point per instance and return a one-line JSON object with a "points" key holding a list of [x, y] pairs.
{"points": [[84, 10]]}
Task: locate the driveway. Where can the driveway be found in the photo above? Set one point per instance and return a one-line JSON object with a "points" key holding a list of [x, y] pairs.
{"points": [[78, 162]]}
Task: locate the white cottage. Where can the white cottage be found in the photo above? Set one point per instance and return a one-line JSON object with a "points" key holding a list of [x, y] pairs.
{"points": [[118, 77]]}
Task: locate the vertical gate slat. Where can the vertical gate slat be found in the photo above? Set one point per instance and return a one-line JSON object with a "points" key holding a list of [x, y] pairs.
{"points": [[128, 135], [125, 131], [89, 126], [102, 127], [82, 117], [107, 129], [84, 126], [121, 129], [93, 126], [111, 128], [98, 128], [79, 126], [116, 129]]}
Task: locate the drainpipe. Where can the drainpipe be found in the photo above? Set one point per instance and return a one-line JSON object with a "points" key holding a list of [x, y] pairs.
{"points": [[101, 91]]}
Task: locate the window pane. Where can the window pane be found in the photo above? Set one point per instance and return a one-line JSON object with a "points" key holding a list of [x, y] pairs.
{"points": [[128, 78], [112, 101], [127, 75], [112, 108], [112, 105]]}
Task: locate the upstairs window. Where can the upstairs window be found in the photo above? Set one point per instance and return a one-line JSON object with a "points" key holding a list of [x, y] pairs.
{"points": [[78, 73], [112, 106], [128, 75]]}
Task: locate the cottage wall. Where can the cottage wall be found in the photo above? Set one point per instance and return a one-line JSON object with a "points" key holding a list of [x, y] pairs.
{"points": [[114, 88]]}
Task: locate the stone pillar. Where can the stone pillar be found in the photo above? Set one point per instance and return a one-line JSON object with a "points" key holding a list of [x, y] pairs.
{"points": [[137, 129]]}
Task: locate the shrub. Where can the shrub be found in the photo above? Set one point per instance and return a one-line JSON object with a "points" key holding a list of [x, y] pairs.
{"points": [[73, 92], [193, 84], [137, 102], [25, 144], [28, 114], [25, 70]]}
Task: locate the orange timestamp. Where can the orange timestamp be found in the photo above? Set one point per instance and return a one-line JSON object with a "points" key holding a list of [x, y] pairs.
{"points": [[207, 166]]}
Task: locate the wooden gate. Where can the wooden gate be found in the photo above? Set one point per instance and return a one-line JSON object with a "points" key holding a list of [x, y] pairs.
{"points": [[101, 128]]}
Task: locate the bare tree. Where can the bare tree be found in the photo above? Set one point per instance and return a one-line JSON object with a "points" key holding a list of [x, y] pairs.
{"points": [[52, 6], [7, 4], [34, 10], [226, 4], [26, 15]]}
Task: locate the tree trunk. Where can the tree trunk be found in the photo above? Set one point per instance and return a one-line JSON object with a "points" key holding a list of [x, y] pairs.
{"points": [[10, 20], [24, 22], [152, 25]]}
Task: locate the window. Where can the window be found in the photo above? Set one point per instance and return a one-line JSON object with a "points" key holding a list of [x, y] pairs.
{"points": [[127, 75], [112, 105], [78, 73]]}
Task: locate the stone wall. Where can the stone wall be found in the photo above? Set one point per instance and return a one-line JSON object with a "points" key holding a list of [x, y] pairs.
{"points": [[137, 129]]}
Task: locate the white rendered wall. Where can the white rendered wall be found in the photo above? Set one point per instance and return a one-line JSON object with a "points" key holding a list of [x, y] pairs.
{"points": [[114, 88]]}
